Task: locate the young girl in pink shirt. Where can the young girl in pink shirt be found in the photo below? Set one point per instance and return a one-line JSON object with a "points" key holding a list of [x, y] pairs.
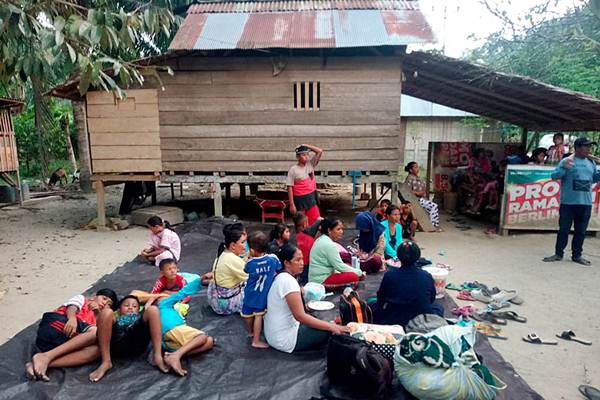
{"points": [[163, 242]]}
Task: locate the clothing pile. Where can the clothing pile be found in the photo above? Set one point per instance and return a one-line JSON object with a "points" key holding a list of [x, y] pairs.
{"points": [[442, 364]]}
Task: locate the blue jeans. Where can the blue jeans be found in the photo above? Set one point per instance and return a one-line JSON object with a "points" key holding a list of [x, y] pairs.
{"points": [[577, 215]]}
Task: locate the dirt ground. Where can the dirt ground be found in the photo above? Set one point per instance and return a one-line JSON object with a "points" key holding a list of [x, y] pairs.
{"points": [[48, 258]]}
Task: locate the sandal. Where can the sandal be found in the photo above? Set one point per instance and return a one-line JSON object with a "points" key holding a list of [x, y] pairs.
{"points": [[443, 266], [589, 392], [570, 335], [465, 295], [496, 305], [490, 330], [464, 311], [489, 317], [452, 286], [535, 339], [509, 315]]}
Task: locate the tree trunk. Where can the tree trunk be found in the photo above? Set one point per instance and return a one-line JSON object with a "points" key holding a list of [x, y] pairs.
{"points": [[41, 107], [70, 152], [85, 166]]}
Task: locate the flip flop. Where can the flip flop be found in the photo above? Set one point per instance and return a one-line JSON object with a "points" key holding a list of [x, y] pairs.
{"points": [[535, 339], [465, 295], [489, 317], [464, 311], [443, 266], [452, 286], [496, 305], [570, 335], [589, 392], [509, 315], [490, 330]]}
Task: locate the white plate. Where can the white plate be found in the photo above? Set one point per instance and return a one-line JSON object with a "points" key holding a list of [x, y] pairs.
{"points": [[320, 305]]}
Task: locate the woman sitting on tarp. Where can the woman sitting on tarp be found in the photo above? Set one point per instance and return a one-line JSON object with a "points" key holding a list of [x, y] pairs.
{"points": [[226, 288], [288, 327], [392, 232], [326, 265], [371, 243], [405, 292], [418, 187]]}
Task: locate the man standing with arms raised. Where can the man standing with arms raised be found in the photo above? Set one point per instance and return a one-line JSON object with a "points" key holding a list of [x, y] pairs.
{"points": [[302, 183], [577, 174]]}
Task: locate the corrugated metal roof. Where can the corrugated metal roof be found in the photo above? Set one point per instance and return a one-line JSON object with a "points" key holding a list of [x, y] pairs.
{"points": [[309, 25], [302, 5]]}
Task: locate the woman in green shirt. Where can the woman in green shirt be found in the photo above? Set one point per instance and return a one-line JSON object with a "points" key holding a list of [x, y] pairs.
{"points": [[326, 265]]}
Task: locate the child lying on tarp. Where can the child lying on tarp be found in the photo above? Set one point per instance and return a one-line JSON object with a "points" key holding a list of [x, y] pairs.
{"points": [[180, 339], [127, 334], [66, 336]]}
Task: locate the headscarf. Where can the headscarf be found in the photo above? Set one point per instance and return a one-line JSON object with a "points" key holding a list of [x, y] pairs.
{"points": [[370, 231]]}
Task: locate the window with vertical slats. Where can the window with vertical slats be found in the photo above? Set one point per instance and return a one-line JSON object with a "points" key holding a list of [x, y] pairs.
{"points": [[307, 96]]}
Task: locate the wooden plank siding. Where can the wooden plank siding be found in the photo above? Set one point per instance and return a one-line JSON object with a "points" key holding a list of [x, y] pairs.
{"points": [[233, 115], [124, 134], [8, 144]]}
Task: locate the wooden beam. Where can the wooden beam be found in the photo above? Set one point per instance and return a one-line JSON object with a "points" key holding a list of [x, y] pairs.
{"points": [[524, 134], [100, 199], [124, 178], [275, 179], [587, 125], [217, 196]]}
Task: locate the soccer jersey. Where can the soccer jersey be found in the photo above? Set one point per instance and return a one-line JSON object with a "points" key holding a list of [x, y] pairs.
{"points": [[261, 273]]}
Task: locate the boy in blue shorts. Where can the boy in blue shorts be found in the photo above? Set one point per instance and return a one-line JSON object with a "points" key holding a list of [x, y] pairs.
{"points": [[261, 270]]}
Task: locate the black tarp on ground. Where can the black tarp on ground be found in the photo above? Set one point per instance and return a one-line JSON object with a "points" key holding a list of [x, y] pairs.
{"points": [[232, 370]]}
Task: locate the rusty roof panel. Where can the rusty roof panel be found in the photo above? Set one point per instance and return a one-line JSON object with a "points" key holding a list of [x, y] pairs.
{"points": [[301, 5], [316, 29]]}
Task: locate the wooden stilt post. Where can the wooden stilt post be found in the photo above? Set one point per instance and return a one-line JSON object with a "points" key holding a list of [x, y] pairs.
{"points": [[394, 195], [524, 134], [242, 191], [228, 192], [101, 225], [217, 197], [373, 190], [172, 192]]}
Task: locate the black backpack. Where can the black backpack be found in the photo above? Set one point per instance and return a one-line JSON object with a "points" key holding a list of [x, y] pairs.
{"points": [[356, 370], [353, 309]]}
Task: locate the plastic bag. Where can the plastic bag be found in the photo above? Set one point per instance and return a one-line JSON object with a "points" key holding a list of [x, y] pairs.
{"points": [[314, 291], [459, 382]]}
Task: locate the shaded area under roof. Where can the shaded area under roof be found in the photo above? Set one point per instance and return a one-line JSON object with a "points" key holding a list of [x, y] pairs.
{"points": [[302, 25], [511, 98]]}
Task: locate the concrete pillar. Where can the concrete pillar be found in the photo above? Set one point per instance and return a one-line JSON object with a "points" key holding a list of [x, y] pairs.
{"points": [[217, 198]]}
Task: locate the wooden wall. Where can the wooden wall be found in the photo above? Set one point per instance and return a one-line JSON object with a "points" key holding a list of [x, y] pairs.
{"points": [[233, 115], [124, 134], [8, 145]]}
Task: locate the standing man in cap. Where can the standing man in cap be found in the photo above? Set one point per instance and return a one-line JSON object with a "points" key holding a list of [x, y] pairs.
{"points": [[302, 184], [577, 174]]}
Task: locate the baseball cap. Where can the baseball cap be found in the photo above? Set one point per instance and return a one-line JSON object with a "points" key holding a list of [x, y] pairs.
{"points": [[583, 141], [301, 150]]}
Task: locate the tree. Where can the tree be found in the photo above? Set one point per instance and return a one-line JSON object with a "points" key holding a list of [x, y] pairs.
{"points": [[562, 49], [43, 41]]}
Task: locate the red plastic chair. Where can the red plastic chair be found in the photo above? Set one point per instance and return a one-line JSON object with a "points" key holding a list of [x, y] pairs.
{"points": [[272, 209]]}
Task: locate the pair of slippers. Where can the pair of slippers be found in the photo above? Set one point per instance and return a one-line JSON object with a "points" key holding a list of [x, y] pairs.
{"points": [[566, 335], [499, 317], [590, 392]]}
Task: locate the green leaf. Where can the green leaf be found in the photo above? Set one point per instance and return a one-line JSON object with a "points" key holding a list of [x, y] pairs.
{"points": [[59, 38], [84, 28], [595, 7], [84, 82], [59, 23], [95, 35], [72, 53]]}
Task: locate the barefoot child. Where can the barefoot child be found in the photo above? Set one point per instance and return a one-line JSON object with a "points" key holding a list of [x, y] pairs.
{"points": [[163, 242], [180, 339], [261, 270], [66, 336], [127, 334]]}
